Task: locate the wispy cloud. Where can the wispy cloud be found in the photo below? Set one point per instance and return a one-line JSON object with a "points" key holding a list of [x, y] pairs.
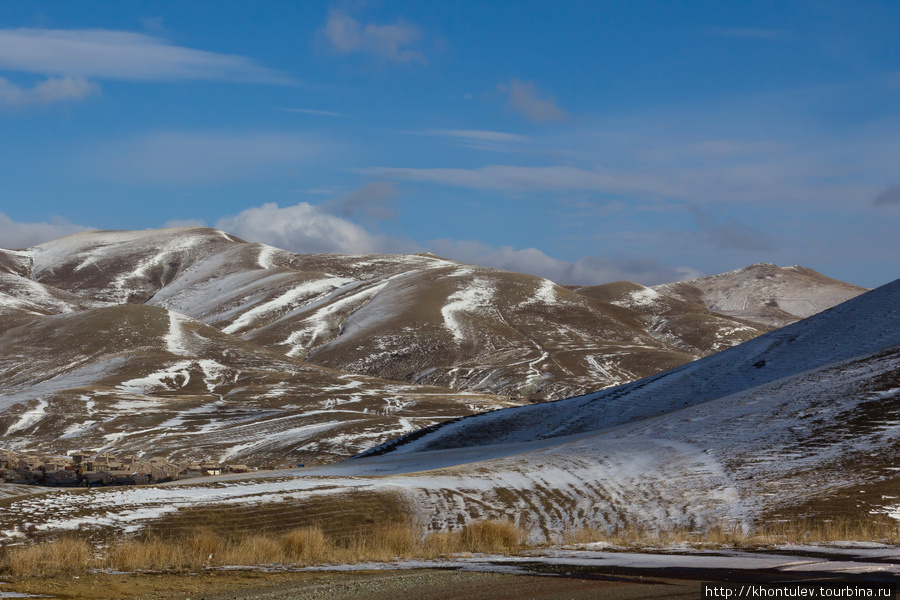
{"points": [[122, 55], [889, 197], [476, 135], [524, 99], [200, 157], [776, 179], [588, 270], [50, 91], [310, 111], [751, 33], [716, 149], [519, 179], [15, 235], [395, 42]]}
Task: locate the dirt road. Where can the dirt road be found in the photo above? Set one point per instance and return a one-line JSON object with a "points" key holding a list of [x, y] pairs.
{"points": [[359, 585], [462, 585]]}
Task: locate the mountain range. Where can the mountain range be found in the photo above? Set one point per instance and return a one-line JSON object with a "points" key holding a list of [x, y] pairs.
{"points": [[192, 342]]}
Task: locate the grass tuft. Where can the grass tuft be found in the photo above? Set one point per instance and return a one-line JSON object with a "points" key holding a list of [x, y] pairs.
{"points": [[59, 556]]}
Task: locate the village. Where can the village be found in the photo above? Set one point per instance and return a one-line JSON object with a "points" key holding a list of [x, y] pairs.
{"points": [[88, 470]]}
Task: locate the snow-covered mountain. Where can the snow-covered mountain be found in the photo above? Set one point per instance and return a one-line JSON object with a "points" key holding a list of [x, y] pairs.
{"points": [[411, 318], [193, 342]]}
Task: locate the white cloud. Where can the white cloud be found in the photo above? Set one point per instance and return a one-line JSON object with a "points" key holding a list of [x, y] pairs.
{"points": [[588, 270], [46, 92], [390, 42], [305, 228], [15, 235], [107, 54], [523, 98], [200, 157]]}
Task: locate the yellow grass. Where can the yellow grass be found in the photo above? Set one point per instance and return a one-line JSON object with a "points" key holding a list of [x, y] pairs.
{"points": [[795, 531], [48, 557], [312, 545], [486, 536], [301, 546]]}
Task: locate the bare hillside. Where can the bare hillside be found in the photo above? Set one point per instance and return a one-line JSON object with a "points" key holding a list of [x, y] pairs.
{"points": [[764, 293]]}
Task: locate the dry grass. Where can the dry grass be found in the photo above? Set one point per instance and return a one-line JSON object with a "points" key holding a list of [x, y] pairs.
{"points": [[495, 537], [59, 556], [302, 546], [790, 531], [878, 528], [310, 545]]}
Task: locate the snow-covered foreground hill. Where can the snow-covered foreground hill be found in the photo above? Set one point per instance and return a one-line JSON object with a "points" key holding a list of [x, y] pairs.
{"points": [[803, 420], [415, 318]]}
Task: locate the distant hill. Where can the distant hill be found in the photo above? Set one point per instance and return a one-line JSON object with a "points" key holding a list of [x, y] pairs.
{"points": [[411, 318], [764, 293]]}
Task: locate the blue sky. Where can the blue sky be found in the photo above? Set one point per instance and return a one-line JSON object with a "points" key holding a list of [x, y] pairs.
{"points": [[582, 141]]}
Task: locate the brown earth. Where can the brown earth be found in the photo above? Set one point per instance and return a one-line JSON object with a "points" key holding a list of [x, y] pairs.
{"points": [[362, 585]]}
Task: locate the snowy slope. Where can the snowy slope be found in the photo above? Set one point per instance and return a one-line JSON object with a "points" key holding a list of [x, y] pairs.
{"points": [[124, 266], [804, 420], [857, 327]]}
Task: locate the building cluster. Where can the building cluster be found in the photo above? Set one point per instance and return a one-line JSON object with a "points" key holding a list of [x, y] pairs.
{"points": [[85, 469]]}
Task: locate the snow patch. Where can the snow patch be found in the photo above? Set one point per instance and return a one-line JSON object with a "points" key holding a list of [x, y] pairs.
{"points": [[265, 256], [291, 299], [468, 300], [29, 417], [176, 338]]}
